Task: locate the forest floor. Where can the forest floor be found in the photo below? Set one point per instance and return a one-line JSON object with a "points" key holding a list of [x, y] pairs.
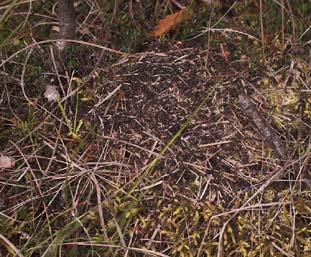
{"points": [[195, 143]]}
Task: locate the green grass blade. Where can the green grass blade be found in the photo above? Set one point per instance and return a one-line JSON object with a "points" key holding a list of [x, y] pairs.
{"points": [[65, 116], [6, 12]]}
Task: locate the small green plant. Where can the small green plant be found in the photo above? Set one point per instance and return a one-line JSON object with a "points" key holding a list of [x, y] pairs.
{"points": [[75, 127]]}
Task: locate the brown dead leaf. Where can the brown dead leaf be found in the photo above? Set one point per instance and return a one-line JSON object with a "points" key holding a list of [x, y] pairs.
{"points": [[169, 22]]}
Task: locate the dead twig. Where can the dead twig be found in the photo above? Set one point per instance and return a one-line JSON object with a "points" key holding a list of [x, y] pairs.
{"points": [[250, 110]]}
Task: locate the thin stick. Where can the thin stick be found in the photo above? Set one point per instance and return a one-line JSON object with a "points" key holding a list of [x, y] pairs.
{"points": [[262, 33], [283, 27]]}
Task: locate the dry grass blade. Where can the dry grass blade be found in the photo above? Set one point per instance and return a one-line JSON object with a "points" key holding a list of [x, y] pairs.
{"points": [[55, 40], [10, 246]]}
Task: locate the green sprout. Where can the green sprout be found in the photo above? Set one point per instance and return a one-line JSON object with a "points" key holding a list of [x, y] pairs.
{"points": [[75, 127]]}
